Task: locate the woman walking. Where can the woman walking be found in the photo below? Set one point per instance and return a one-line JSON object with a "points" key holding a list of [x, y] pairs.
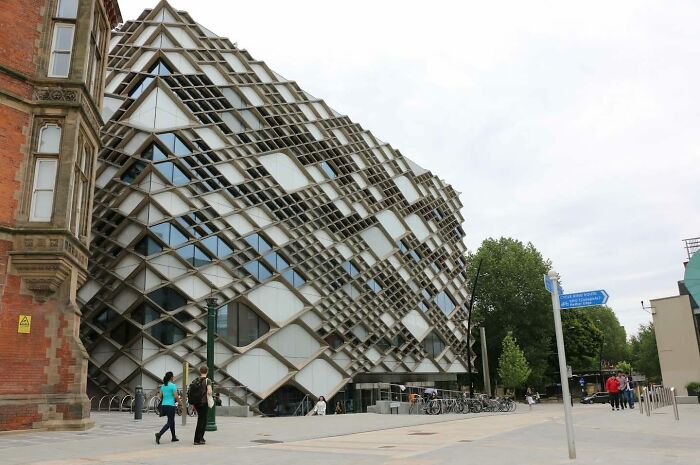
{"points": [[168, 395], [320, 408]]}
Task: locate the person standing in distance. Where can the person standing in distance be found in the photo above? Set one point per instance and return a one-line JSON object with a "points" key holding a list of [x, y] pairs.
{"points": [[198, 394], [320, 408], [612, 385], [168, 394]]}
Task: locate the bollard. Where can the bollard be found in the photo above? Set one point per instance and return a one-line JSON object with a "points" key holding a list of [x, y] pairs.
{"points": [[675, 405], [138, 403]]}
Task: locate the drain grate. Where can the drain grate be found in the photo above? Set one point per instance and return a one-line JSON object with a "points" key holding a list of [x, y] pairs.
{"points": [[266, 441], [419, 433]]}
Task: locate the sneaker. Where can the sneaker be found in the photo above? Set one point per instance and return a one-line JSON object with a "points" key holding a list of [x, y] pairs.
{"points": [[198, 443], [618, 408], [174, 440], [157, 438]]}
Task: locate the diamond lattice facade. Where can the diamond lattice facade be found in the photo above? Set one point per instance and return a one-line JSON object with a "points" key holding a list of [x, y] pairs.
{"points": [[334, 257]]}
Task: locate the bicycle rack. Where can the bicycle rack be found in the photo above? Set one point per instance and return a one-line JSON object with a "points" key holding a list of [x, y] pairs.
{"points": [[121, 404], [99, 404], [152, 402], [111, 401]]}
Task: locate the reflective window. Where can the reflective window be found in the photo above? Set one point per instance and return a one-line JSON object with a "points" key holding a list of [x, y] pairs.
{"points": [[433, 344], [217, 246], [437, 214], [384, 344], [398, 340], [374, 285], [161, 69], [168, 298], [148, 246], [258, 270], [49, 139], [61, 50], [193, 255], [166, 332], [422, 306], [293, 278], [105, 317], [141, 87], [276, 261], [350, 269], [415, 255], [67, 9], [334, 340], [426, 294], [169, 234], [124, 333], [435, 267], [41, 208], [174, 144], [328, 170], [145, 313], [445, 302], [239, 324], [258, 243], [172, 173], [402, 246], [133, 171], [154, 153]]}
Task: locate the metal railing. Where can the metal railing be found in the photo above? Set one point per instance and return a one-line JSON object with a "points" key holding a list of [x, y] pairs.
{"points": [[401, 393], [658, 397], [303, 408]]}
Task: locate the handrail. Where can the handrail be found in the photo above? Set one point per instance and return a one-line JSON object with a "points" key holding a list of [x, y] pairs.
{"points": [[300, 406]]}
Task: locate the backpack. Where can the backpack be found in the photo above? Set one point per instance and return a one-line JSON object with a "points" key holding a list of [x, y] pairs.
{"points": [[197, 392]]}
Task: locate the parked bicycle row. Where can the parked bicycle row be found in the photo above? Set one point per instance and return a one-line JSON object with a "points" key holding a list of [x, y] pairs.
{"points": [[462, 404]]}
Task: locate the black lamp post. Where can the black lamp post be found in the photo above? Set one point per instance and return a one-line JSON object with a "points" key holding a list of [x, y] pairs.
{"points": [[212, 303]]}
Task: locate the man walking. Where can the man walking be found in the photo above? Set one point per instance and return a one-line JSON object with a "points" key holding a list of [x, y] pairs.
{"points": [[612, 385], [198, 394], [623, 387], [629, 391]]}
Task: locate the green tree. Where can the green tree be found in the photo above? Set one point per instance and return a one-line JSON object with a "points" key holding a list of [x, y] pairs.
{"points": [[614, 341], [582, 339], [644, 353], [511, 297], [513, 369], [625, 367]]}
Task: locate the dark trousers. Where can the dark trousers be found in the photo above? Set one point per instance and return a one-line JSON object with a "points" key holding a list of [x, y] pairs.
{"points": [[169, 411], [615, 400], [202, 411], [623, 400]]}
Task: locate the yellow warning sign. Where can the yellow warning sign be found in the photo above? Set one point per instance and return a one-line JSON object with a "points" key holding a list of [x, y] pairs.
{"points": [[25, 324]]}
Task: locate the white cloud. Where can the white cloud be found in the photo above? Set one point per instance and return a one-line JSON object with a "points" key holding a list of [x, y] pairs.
{"points": [[571, 126]]}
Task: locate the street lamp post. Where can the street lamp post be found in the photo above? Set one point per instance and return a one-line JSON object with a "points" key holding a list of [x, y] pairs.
{"points": [[469, 331], [211, 328]]}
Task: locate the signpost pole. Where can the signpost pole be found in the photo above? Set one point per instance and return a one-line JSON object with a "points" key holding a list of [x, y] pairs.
{"points": [[562, 365]]}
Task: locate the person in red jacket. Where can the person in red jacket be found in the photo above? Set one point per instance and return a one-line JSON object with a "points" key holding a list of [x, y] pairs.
{"points": [[612, 385]]}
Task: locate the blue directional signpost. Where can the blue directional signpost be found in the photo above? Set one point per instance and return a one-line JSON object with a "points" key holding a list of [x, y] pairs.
{"points": [[565, 301], [583, 299]]}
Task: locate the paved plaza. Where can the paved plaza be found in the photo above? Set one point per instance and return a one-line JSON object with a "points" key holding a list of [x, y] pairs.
{"points": [[524, 437]]}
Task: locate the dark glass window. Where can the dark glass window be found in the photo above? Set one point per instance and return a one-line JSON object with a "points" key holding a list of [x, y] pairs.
{"points": [[415, 255], [435, 267], [124, 333], [148, 246], [258, 270], [168, 298], [166, 332], [350, 268], [172, 173], [384, 344], [138, 90], [328, 170], [239, 324], [398, 340], [258, 243], [217, 246], [105, 317], [161, 69], [174, 144], [374, 285], [133, 172], [437, 214], [334, 340], [169, 234], [193, 255], [145, 313], [402, 246], [445, 303], [433, 344]]}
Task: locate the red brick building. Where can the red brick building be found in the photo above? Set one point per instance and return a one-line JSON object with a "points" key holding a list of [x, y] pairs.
{"points": [[52, 63]]}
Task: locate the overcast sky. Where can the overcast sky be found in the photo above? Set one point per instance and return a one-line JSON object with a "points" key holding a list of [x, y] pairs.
{"points": [[574, 127]]}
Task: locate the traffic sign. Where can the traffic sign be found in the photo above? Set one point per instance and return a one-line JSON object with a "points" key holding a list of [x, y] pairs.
{"points": [[550, 286], [583, 299]]}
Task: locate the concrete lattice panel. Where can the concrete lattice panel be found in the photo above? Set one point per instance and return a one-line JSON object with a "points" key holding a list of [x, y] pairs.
{"points": [[331, 254]]}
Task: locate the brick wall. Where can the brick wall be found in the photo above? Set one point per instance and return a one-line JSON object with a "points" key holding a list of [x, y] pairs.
{"points": [[20, 26], [13, 136]]}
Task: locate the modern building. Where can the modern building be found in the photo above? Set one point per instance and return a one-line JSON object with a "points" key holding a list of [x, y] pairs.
{"points": [[52, 63], [336, 261], [677, 327]]}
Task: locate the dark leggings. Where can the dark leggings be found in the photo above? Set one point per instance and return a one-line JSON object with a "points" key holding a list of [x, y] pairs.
{"points": [[169, 411]]}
